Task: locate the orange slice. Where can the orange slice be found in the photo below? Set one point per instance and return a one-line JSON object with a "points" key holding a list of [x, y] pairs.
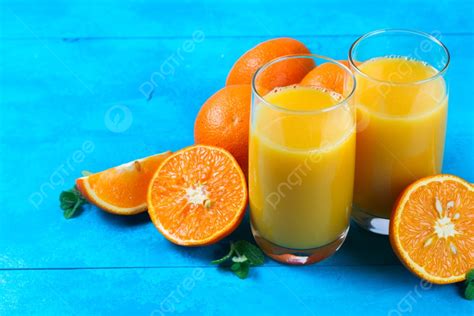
{"points": [[197, 196], [121, 190], [432, 228]]}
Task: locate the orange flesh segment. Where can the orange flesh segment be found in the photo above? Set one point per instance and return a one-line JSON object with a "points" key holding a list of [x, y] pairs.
{"points": [[433, 228], [197, 196]]}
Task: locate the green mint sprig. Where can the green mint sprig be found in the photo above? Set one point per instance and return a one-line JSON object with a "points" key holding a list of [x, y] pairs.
{"points": [[469, 291], [243, 255], [71, 202]]}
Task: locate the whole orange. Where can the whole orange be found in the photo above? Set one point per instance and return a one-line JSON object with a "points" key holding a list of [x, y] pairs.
{"points": [[327, 75], [223, 121], [280, 75]]}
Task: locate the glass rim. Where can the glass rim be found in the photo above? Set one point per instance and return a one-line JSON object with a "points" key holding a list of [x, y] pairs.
{"points": [[428, 36], [302, 112]]}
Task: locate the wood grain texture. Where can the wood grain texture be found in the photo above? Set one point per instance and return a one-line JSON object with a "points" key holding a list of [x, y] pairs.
{"points": [[283, 290], [143, 18], [74, 80]]}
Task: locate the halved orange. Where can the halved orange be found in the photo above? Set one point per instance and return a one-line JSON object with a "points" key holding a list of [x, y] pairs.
{"points": [[197, 196], [432, 228], [121, 190]]}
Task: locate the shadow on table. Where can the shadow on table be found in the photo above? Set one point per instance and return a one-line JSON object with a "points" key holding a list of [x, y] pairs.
{"points": [[366, 257], [203, 254], [125, 221], [360, 248], [206, 254], [363, 247]]}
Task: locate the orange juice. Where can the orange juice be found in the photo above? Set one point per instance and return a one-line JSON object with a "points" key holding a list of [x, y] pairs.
{"points": [[301, 167], [401, 129]]}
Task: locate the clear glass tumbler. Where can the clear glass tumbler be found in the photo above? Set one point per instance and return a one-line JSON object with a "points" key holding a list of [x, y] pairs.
{"points": [[402, 102], [301, 159]]}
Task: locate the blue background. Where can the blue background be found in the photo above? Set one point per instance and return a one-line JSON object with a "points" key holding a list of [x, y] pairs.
{"points": [[70, 100]]}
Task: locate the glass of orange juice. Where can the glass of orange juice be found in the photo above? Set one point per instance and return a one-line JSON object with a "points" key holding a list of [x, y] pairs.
{"points": [[402, 102], [301, 160]]}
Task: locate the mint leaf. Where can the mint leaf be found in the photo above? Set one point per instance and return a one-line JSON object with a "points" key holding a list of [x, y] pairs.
{"points": [[239, 259], [469, 292], [71, 202], [243, 255], [226, 257], [470, 276], [253, 253], [243, 270], [235, 266]]}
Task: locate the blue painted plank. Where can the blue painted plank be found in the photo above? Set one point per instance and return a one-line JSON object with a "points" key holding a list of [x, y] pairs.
{"points": [[89, 77], [282, 290], [73, 19], [63, 117], [67, 72], [98, 239]]}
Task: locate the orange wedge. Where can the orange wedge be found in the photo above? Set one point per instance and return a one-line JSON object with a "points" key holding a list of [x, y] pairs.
{"points": [[121, 190], [432, 228], [197, 196]]}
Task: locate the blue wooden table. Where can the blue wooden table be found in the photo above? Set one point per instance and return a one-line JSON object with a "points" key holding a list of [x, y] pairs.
{"points": [[74, 82]]}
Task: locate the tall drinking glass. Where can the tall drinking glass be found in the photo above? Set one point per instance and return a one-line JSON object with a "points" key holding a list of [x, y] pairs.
{"points": [[301, 160], [402, 102]]}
